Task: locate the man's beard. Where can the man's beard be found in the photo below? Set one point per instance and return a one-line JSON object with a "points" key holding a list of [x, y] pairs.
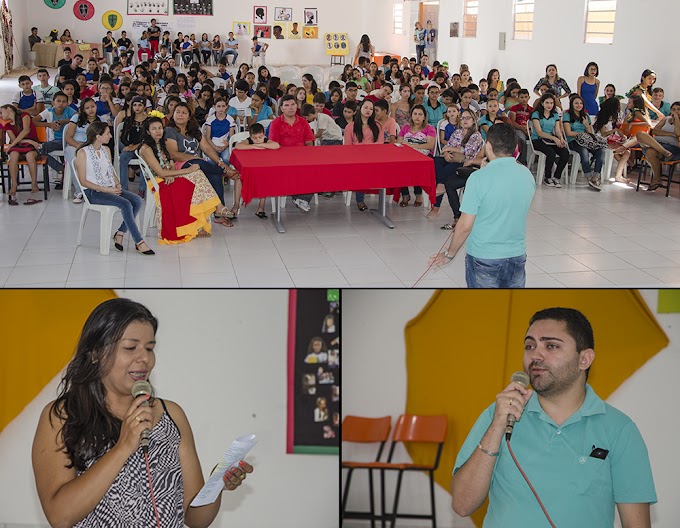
{"points": [[551, 382]]}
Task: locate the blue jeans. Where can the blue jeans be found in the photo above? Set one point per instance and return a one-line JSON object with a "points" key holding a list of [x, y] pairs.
{"points": [[446, 173], [214, 174], [50, 146], [495, 273], [598, 155], [128, 203], [230, 51], [217, 55], [125, 157]]}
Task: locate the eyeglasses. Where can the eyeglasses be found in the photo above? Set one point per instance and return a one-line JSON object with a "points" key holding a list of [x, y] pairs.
{"points": [[465, 118]]}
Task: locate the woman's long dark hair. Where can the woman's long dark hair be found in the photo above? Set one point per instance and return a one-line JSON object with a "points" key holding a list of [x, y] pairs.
{"points": [[274, 89], [365, 43], [76, 89], [17, 120], [541, 110], [647, 73], [95, 129], [359, 123], [609, 111], [576, 118], [193, 128], [82, 116], [88, 427], [259, 74], [95, 73], [151, 142], [310, 78]]}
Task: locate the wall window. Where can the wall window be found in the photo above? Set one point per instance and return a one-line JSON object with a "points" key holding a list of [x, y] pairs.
{"points": [[600, 16], [398, 19], [470, 18], [523, 19]]}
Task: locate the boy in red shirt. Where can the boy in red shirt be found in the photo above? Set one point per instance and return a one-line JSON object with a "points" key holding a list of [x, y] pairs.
{"points": [[519, 117]]}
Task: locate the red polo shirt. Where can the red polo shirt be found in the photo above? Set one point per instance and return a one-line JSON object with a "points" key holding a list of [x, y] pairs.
{"points": [[295, 135]]}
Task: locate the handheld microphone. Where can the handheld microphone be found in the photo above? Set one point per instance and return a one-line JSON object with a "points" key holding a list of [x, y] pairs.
{"points": [[522, 378], [138, 388]]}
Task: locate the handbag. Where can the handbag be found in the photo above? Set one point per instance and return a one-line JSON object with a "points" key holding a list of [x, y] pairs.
{"points": [[590, 141]]}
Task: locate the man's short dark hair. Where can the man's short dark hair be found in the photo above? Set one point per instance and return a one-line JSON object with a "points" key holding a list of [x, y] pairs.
{"points": [[448, 93], [351, 84], [307, 110], [67, 48], [431, 87], [523, 91], [242, 85], [319, 97], [43, 70], [381, 103], [78, 55], [352, 105], [285, 98], [23, 78], [502, 138], [473, 87], [418, 88], [59, 94], [578, 326], [34, 29], [256, 128], [463, 91]]}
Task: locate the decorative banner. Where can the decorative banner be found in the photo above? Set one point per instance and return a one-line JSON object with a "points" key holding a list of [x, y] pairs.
{"points": [[313, 371], [145, 7], [262, 31], [311, 16], [83, 10], [112, 20], [55, 4], [241, 28], [7, 38], [336, 43], [310, 32], [193, 7], [283, 14], [294, 30], [260, 15]]}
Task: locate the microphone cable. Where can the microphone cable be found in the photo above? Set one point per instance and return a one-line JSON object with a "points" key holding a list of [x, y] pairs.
{"points": [[507, 441], [430, 266], [153, 499]]}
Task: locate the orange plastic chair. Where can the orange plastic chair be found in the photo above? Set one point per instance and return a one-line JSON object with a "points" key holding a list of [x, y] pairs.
{"points": [[363, 430], [413, 429]]}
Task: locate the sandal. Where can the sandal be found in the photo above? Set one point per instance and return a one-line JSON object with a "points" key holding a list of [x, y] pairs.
{"points": [[362, 206], [223, 220], [449, 227], [32, 201], [147, 252], [203, 234], [404, 202], [418, 202], [12, 200], [116, 244], [261, 214], [653, 187]]}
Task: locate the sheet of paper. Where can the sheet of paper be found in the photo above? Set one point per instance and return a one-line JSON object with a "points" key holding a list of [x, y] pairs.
{"points": [[238, 449]]}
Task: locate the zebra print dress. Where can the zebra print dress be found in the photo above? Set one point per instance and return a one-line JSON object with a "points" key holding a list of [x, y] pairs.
{"points": [[127, 503]]}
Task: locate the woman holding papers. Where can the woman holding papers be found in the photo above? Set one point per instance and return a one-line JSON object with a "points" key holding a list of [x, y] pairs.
{"points": [[88, 464]]}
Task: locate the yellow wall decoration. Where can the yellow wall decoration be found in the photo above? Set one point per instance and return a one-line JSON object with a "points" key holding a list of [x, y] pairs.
{"points": [[463, 347], [112, 20], [41, 333]]}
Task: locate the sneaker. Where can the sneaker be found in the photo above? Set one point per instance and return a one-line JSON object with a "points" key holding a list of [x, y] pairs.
{"points": [[556, 183], [548, 182], [594, 183], [78, 198], [58, 186], [301, 204]]}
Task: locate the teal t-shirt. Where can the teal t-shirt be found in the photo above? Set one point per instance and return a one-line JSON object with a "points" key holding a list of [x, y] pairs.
{"points": [[665, 109], [576, 488], [499, 195], [435, 115], [547, 125], [575, 127]]}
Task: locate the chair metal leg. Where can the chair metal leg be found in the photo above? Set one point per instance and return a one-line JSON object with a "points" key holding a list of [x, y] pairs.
{"points": [[346, 492], [434, 515], [396, 499], [382, 498], [370, 491]]}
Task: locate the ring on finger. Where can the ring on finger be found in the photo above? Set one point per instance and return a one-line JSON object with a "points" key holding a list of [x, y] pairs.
{"points": [[138, 418], [242, 477], [510, 401]]}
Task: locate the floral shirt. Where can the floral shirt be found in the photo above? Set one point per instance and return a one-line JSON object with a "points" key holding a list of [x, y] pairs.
{"points": [[559, 86], [471, 148]]}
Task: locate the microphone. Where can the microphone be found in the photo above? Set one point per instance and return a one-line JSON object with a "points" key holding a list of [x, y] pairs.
{"points": [[522, 378], [138, 388]]}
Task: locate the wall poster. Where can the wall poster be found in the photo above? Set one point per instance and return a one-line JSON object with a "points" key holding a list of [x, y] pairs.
{"points": [[193, 7], [336, 43], [313, 371], [147, 7]]}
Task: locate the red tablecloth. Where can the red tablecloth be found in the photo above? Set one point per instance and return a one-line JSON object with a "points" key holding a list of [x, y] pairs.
{"points": [[303, 170]]}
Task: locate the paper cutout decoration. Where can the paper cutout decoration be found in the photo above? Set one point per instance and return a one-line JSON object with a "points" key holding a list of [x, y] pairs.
{"points": [[310, 32], [283, 14], [55, 4], [83, 10], [260, 15], [294, 30], [262, 31], [112, 20], [241, 29]]}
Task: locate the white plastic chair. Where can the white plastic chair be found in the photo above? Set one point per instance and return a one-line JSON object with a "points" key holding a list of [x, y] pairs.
{"points": [[531, 154], [317, 73], [105, 222], [608, 164], [265, 123], [361, 94], [57, 153], [151, 205], [286, 73], [219, 82], [66, 185], [437, 142]]}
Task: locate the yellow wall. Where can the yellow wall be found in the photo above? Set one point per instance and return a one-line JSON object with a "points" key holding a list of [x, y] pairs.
{"points": [[40, 334], [464, 345]]}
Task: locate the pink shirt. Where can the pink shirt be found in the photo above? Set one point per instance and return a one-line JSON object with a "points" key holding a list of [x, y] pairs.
{"points": [[418, 137], [351, 139]]}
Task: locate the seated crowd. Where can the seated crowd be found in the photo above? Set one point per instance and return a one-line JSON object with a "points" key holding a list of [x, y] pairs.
{"points": [[180, 125]]}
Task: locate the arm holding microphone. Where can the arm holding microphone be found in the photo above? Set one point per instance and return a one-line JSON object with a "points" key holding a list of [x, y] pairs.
{"points": [[470, 485]]}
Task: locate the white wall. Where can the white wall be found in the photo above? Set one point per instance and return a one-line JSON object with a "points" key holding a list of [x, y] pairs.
{"points": [[558, 38], [374, 350], [352, 16], [229, 375]]}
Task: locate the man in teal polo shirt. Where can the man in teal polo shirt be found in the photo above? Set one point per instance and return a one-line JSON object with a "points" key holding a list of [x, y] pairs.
{"points": [[494, 212], [434, 108], [581, 455]]}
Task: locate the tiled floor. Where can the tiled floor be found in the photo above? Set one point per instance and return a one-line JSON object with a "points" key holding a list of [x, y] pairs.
{"points": [[575, 238]]}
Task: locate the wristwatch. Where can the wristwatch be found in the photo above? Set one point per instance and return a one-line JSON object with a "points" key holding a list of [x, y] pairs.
{"points": [[446, 254]]}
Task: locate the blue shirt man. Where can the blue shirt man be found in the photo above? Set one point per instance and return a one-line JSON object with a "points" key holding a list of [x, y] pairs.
{"points": [[493, 221], [581, 455]]}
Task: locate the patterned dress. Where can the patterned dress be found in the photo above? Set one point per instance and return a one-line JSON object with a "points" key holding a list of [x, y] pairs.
{"points": [[184, 206], [127, 503]]}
